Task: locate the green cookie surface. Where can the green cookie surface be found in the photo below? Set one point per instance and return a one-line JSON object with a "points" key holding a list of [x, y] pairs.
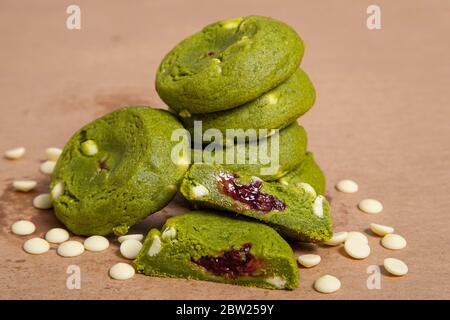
{"points": [[296, 212], [228, 64], [273, 110], [115, 171], [205, 245], [269, 158], [307, 172]]}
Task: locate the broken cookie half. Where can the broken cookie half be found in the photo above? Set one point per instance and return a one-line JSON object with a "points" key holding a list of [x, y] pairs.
{"points": [[296, 211], [206, 245]]}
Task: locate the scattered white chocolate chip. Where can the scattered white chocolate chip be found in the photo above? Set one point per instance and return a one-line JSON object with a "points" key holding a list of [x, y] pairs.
{"points": [[169, 233], [36, 246], [318, 206], [308, 188], [347, 186], [16, 153], [23, 227], [155, 247], [130, 248], [327, 284], [70, 248], [357, 235], [271, 98], [370, 206], [395, 266], [53, 153], [393, 241], [42, 201], [277, 282], [121, 271], [96, 243], [337, 239], [57, 190], [381, 230], [24, 185], [137, 237], [357, 248], [309, 260], [200, 191], [89, 147], [48, 166], [57, 235]]}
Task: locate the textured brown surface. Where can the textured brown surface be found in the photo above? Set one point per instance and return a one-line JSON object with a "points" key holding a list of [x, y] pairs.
{"points": [[381, 118]]}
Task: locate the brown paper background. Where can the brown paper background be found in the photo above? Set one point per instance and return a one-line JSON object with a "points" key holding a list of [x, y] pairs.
{"points": [[382, 118]]}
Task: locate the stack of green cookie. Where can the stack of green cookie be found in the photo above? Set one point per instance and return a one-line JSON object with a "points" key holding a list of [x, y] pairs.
{"points": [[240, 74], [244, 74]]}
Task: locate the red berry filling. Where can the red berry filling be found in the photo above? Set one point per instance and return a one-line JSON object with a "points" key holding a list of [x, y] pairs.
{"points": [[231, 263], [249, 194]]}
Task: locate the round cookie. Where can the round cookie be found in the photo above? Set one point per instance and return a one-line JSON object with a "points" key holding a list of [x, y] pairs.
{"points": [[116, 170], [273, 110], [227, 64], [307, 172], [255, 160]]}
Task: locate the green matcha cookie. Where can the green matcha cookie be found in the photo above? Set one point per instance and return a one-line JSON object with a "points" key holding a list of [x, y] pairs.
{"points": [[259, 158], [295, 211], [227, 64], [115, 171], [307, 172], [273, 110], [207, 246]]}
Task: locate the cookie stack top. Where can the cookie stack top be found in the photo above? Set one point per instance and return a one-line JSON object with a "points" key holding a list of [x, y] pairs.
{"points": [[237, 74]]}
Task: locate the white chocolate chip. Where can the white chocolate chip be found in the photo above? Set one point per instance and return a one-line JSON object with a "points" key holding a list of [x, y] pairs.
{"points": [[337, 239], [57, 235], [357, 248], [89, 147], [53, 153], [130, 248], [42, 201], [48, 166], [318, 206], [23, 227], [200, 191], [357, 235], [381, 230], [327, 284], [36, 246], [16, 153], [155, 247], [169, 233], [308, 189], [231, 24], [57, 190], [277, 282], [309, 260], [370, 206], [24, 185], [121, 271], [70, 248], [395, 266], [96, 243], [271, 98], [393, 241], [137, 237], [185, 113], [347, 186]]}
